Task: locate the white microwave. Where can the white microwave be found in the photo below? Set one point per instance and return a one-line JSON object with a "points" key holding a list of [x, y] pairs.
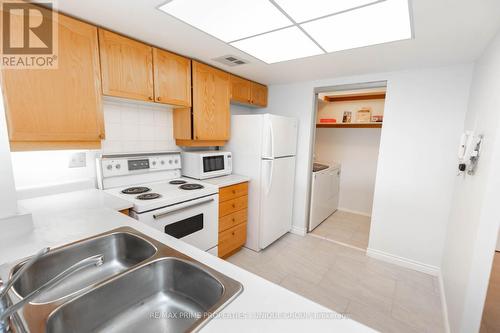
{"points": [[206, 164]]}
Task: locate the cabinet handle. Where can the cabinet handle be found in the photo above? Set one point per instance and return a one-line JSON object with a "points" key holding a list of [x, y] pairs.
{"points": [[158, 99], [150, 98], [233, 206], [234, 220], [234, 191], [233, 233]]}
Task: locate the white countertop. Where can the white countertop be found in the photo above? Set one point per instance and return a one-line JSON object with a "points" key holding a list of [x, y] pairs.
{"points": [[227, 180], [63, 218]]}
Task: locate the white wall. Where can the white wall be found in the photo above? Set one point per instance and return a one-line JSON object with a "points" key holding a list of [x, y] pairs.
{"points": [[8, 202], [422, 124], [474, 219], [357, 150]]}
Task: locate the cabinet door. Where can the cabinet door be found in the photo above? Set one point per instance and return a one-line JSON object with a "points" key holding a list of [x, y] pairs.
{"points": [[259, 94], [241, 90], [126, 67], [172, 78], [58, 108], [211, 114]]}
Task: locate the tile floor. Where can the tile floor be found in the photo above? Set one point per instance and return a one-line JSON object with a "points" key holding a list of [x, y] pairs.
{"points": [[491, 312], [383, 296], [347, 228]]}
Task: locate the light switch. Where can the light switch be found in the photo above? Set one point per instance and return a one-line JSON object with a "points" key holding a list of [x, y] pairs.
{"points": [[78, 160]]}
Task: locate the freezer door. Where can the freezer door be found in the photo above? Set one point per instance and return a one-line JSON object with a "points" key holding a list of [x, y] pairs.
{"points": [[280, 136], [276, 199]]}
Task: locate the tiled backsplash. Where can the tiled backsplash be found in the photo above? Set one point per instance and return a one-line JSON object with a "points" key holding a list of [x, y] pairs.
{"points": [[137, 127]]}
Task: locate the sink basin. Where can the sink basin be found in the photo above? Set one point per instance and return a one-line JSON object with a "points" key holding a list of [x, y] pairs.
{"points": [[166, 295], [121, 250]]}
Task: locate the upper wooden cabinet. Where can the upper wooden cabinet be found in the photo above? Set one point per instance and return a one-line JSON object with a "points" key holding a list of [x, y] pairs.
{"points": [[241, 90], [247, 92], [172, 78], [126, 67], [259, 94], [58, 108], [210, 116]]}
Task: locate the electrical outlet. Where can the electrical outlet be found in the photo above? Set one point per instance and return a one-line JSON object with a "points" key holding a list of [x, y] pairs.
{"points": [[78, 160]]}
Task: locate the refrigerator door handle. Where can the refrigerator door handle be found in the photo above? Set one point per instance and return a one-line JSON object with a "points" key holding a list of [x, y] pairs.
{"points": [[271, 128], [269, 175]]}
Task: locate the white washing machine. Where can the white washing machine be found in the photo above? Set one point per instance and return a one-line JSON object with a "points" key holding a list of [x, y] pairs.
{"points": [[324, 193]]}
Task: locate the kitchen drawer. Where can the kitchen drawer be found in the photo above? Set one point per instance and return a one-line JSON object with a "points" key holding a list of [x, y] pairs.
{"points": [[233, 219], [234, 191], [231, 206], [232, 239]]}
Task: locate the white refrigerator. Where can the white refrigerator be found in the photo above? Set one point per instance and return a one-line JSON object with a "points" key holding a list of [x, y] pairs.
{"points": [[263, 147]]}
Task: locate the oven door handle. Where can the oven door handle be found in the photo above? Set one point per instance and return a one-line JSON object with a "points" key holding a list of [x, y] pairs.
{"points": [[178, 207]]}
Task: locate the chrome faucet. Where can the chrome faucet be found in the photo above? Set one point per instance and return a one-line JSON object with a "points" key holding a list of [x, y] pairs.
{"points": [[6, 310]]}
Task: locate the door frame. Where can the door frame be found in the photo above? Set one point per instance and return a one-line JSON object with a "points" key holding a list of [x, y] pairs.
{"points": [[312, 142]]}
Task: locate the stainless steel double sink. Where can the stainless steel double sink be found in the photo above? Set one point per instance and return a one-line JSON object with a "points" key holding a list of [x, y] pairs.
{"points": [[142, 286]]}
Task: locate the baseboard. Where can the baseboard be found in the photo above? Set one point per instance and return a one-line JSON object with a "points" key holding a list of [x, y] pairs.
{"points": [[354, 212], [298, 231], [408, 263], [444, 304]]}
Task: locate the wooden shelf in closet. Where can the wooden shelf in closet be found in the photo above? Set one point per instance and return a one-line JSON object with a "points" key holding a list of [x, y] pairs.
{"points": [[351, 125]]}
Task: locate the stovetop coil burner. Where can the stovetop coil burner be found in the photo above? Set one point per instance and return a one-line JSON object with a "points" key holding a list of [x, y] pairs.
{"points": [[191, 186], [136, 190], [177, 182], [148, 196]]}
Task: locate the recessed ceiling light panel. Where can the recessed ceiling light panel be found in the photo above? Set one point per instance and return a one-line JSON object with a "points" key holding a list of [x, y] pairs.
{"points": [[286, 44], [302, 11], [228, 20], [383, 22]]}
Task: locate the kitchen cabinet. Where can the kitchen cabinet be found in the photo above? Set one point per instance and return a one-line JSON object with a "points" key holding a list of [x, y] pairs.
{"points": [[126, 67], [233, 203], [58, 108], [259, 94], [241, 90], [208, 124], [172, 78], [247, 92]]}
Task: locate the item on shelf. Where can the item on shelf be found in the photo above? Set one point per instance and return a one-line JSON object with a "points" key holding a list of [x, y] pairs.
{"points": [[364, 115], [377, 118], [347, 117], [328, 120]]}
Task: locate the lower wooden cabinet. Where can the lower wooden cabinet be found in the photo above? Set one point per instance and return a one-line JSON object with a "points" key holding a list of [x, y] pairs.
{"points": [[233, 203]]}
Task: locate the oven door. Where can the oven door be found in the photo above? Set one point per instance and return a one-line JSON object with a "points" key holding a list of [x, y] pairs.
{"points": [[194, 221]]}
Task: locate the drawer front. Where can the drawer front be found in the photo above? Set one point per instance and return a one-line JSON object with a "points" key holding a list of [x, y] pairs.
{"points": [[231, 206], [233, 219], [234, 191], [232, 239]]}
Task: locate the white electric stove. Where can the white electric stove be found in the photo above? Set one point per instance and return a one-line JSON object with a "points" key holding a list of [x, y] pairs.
{"points": [[181, 207]]}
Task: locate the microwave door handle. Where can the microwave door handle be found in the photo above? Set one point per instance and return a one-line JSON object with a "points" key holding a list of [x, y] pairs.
{"points": [[180, 207]]}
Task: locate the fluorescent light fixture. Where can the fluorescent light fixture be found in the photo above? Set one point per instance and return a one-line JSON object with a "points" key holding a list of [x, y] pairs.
{"points": [[301, 11], [228, 20], [281, 45], [383, 22]]}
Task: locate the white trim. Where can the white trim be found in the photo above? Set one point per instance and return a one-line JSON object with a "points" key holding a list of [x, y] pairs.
{"points": [[354, 212], [444, 304], [408, 263], [298, 231], [337, 242]]}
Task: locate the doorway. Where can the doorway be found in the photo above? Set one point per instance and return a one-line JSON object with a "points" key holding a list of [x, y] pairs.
{"points": [[348, 128], [490, 322]]}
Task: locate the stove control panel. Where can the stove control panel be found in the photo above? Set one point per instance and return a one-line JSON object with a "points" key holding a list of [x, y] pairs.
{"points": [[112, 167]]}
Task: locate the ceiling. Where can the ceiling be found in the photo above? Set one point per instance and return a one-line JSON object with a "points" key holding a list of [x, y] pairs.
{"points": [[447, 32]]}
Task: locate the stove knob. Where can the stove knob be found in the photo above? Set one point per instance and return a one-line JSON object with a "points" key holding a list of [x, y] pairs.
{"points": [[154, 162], [176, 161], [118, 166], [162, 162], [169, 161], [109, 167]]}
